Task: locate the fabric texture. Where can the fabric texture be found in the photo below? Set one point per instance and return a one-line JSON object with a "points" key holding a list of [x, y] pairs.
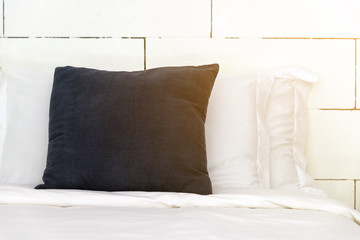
{"points": [[129, 131]]}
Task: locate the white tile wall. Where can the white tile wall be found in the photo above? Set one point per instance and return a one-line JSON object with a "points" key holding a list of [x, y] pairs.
{"points": [[332, 60], [108, 18], [284, 18], [178, 33], [109, 54], [342, 190], [333, 147]]}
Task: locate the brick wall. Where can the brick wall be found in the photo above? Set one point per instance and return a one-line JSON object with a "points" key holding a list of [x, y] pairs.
{"points": [[319, 35]]}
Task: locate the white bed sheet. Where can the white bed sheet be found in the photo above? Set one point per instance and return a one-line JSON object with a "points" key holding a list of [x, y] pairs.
{"points": [[253, 214]]}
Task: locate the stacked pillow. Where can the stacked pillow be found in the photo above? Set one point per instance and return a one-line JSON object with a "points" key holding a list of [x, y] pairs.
{"points": [[254, 137]]}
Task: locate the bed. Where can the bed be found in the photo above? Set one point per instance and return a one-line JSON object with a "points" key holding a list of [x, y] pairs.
{"points": [[254, 159]]}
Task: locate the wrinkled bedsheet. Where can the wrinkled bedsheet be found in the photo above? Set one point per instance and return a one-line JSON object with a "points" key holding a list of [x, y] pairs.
{"points": [[26, 213]]}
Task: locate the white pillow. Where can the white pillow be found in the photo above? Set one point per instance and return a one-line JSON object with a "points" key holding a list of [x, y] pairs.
{"points": [[234, 150], [285, 123], [238, 144], [25, 146], [231, 130]]}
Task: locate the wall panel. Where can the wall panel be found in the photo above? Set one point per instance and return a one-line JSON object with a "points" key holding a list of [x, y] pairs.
{"points": [[284, 18], [109, 54], [333, 147], [126, 18], [342, 190]]}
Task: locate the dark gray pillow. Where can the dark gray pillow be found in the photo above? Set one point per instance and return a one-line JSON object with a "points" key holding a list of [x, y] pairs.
{"points": [[129, 131]]}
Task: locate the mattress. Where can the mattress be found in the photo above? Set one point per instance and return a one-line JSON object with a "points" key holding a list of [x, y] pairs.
{"points": [[26, 213]]}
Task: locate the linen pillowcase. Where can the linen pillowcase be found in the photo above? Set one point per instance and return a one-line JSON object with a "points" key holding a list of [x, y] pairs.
{"points": [[235, 150], [129, 131], [285, 123], [26, 119]]}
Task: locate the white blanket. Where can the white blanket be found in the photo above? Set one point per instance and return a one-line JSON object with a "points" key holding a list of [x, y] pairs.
{"points": [[253, 214]]}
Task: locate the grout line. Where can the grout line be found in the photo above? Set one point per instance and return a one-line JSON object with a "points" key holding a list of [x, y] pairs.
{"points": [[310, 38], [93, 37], [130, 37], [334, 38], [336, 179], [355, 72], [52, 37], [144, 53], [69, 37], [211, 19], [16, 37], [355, 194], [127, 37], [3, 12], [286, 38], [291, 38], [339, 109]]}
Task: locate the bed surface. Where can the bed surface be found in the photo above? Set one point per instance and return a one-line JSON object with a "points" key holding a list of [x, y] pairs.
{"points": [[250, 214]]}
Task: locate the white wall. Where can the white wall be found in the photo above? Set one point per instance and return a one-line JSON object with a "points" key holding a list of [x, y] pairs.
{"points": [[241, 35]]}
